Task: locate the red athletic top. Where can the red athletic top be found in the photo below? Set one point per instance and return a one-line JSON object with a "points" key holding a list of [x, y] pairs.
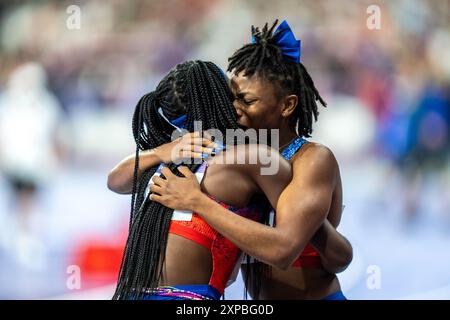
{"points": [[224, 253], [309, 258]]}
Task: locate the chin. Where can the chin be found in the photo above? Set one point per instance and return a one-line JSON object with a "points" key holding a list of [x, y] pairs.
{"points": [[242, 126]]}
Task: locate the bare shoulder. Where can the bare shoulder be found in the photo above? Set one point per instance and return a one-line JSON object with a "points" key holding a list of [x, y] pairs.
{"points": [[315, 160]]}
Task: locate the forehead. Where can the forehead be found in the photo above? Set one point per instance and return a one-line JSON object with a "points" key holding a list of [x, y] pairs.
{"points": [[253, 84]]}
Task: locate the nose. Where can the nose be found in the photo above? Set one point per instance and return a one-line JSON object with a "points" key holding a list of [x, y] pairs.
{"points": [[238, 109]]}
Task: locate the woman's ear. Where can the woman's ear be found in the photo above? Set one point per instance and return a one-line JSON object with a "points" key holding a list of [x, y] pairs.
{"points": [[290, 103]]}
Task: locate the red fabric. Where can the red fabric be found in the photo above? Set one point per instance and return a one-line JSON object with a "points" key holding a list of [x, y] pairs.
{"points": [[196, 230], [309, 258], [224, 253]]}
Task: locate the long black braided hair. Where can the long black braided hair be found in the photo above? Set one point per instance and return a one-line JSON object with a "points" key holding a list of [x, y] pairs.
{"points": [[199, 90], [264, 58]]}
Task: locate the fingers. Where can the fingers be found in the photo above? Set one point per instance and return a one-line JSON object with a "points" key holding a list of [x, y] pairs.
{"points": [[159, 181], [192, 136], [195, 138], [207, 135], [212, 142], [194, 146], [199, 149], [195, 151], [207, 142], [156, 189], [199, 142], [167, 173], [156, 198], [185, 171], [191, 155]]}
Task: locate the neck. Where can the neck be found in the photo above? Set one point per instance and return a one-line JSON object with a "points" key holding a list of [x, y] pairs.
{"points": [[286, 136]]}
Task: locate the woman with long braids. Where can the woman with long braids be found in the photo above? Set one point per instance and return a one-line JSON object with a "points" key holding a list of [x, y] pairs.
{"points": [[273, 89], [176, 255]]}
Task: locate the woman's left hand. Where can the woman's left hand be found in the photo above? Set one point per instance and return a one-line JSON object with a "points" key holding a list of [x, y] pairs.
{"points": [[178, 193]]}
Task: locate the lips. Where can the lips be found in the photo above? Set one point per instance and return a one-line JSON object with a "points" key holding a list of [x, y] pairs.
{"points": [[242, 123], [242, 126]]}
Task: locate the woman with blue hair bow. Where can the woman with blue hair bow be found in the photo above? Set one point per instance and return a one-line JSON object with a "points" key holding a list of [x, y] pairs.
{"points": [[273, 90]]}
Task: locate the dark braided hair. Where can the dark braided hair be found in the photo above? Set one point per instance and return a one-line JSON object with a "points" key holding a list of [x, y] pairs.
{"points": [[199, 90], [264, 58]]}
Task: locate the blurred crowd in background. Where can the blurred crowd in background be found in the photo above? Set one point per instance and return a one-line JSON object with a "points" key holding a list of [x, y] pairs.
{"points": [[67, 96]]}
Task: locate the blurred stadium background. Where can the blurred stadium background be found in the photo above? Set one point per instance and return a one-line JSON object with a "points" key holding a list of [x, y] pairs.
{"points": [[67, 95]]}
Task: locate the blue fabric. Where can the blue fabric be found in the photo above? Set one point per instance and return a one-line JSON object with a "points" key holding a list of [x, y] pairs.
{"points": [[201, 289], [293, 147], [335, 296], [224, 74], [286, 41], [179, 122]]}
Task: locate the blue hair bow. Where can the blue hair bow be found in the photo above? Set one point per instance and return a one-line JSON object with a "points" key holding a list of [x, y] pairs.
{"points": [[286, 41]]}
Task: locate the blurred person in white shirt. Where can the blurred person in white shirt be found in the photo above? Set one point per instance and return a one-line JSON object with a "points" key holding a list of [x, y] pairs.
{"points": [[29, 116]]}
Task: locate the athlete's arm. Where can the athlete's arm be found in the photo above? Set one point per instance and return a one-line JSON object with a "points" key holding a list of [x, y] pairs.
{"points": [[120, 178], [335, 250], [301, 209], [191, 145]]}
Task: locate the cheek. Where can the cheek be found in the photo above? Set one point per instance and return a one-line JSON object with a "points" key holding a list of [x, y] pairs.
{"points": [[262, 117]]}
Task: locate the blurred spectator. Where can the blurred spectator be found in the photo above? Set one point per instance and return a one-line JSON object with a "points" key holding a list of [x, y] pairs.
{"points": [[29, 116]]}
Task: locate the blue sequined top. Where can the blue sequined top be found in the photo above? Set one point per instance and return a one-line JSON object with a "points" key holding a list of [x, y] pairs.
{"points": [[293, 147]]}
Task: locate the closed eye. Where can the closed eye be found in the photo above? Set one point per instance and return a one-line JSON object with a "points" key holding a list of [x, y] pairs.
{"points": [[248, 102], [241, 98]]}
